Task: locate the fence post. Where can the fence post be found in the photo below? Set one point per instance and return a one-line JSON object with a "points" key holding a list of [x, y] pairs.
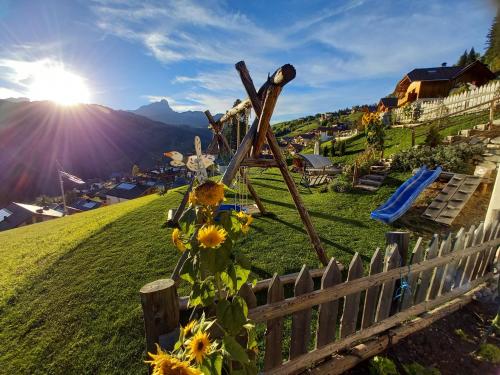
{"points": [[402, 240], [160, 305], [492, 111], [412, 136]]}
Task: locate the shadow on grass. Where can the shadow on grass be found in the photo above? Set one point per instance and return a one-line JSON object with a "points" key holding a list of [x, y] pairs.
{"points": [[273, 187], [323, 239], [320, 215]]}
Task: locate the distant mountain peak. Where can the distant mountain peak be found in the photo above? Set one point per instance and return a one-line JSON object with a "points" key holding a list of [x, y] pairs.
{"points": [[161, 111]]}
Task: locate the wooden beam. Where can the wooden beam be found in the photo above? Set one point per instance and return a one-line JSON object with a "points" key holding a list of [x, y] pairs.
{"points": [[259, 163], [265, 118], [290, 305], [244, 105], [283, 74]]}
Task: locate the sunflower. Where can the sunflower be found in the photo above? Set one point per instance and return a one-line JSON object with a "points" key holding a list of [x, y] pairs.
{"points": [[177, 240], [211, 236], [245, 228], [188, 329], [165, 364], [199, 346], [245, 218], [209, 193], [192, 198]]}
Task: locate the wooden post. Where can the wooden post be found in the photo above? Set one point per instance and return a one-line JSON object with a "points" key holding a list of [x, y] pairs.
{"points": [[284, 74], [412, 136], [402, 240], [160, 305], [492, 112]]}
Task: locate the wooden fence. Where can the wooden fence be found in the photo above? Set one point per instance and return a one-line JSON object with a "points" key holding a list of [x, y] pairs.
{"points": [[421, 110], [363, 314]]}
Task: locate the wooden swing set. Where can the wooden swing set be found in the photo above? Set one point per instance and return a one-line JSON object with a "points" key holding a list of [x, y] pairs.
{"points": [[248, 152]]}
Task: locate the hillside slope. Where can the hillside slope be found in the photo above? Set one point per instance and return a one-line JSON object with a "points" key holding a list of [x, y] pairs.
{"points": [[88, 140], [77, 310]]}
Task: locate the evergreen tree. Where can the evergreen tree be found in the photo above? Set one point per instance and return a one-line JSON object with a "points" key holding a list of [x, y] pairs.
{"points": [[492, 54], [462, 61], [473, 56]]}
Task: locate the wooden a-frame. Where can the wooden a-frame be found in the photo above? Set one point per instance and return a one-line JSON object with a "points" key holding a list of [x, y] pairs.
{"points": [[263, 103]]}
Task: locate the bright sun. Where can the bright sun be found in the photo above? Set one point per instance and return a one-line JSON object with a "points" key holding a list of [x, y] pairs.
{"points": [[56, 84]]}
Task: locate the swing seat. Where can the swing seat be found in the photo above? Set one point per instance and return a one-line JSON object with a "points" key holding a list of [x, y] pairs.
{"points": [[234, 207]]}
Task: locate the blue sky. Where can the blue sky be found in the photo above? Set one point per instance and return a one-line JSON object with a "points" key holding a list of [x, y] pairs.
{"points": [[130, 52]]}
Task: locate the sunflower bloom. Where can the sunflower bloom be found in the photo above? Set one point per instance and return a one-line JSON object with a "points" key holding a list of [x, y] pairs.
{"points": [[209, 193], [192, 199], [165, 364], [199, 346], [245, 228], [245, 218], [177, 240], [188, 329], [211, 236]]}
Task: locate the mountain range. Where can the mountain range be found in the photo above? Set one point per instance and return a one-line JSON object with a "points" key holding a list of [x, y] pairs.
{"points": [[161, 111], [88, 140]]}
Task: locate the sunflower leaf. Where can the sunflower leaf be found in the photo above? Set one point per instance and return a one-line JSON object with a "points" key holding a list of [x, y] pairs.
{"points": [[212, 364], [235, 350], [232, 315]]}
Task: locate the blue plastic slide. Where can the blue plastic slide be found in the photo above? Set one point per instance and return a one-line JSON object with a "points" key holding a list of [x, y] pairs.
{"points": [[404, 196]]}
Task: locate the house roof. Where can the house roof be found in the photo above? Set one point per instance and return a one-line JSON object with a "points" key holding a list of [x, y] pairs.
{"points": [[16, 214], [389, 102], [317, 161], [442, 73], [127, 190], [307, 135], [296, 146], [84, 204]]}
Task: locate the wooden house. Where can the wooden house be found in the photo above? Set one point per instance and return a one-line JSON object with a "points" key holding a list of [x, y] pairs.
{"points": [[437, 82], [125, 191], [386, 104], [19, 214]]}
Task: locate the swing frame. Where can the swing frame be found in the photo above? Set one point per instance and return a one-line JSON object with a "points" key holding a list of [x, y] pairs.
{"points": [[263, 103]]}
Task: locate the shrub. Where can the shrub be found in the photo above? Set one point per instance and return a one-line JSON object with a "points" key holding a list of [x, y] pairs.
{"points": [[433, 138], [364, 161], [340, 184], [382, 366], [342, 147], [489, 353], [416, 368], [451, 158], [332, 151]]}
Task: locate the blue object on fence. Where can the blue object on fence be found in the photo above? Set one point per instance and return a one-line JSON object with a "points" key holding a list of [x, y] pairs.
{"points": [[403, 287], [405, 195]]}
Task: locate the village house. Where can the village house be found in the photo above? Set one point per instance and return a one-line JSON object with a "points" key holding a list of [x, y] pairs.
{"points": [[437, 82], [305, 139], [125, 191], [295, 148], [82, 204], [19, 214], [386, 104]]}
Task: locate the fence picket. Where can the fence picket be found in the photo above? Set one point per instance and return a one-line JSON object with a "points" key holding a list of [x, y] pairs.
{"points": [[437, 277], [417, 256], [471, 261], [488, 258], [351, 302], [451, 269], [480, 256], [327, 314], [462, 266], [301, 320], [371, 299], [393, 260], [425, 277], [272, 355], [248, 295]]}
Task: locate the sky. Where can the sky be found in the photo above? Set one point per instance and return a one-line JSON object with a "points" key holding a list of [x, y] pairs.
{"points": [[128, 53]]}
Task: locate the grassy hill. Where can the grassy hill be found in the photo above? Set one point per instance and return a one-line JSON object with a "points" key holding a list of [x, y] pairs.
{"points": [[70, 299]]}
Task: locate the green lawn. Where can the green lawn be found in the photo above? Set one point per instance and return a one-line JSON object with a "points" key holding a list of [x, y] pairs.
{"points": [[71, 290]]}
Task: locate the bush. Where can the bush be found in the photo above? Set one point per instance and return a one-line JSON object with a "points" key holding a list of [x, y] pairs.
{"points": [[340, 184], [433, 138], [452, 158], [364, 161], [382, 366], [417, 369], [342, 147], [332, 151]]}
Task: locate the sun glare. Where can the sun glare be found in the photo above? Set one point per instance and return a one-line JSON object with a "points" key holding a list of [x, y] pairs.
{"points": [[56, 84]]}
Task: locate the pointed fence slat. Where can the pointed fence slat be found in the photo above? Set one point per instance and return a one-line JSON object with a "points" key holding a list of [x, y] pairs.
{"points": [[272, 356], [471, 261], [488, 258], [351, 302], [327, 313], [248, 295], [371, 299], [479, 257], [437, 277], [451, 268], [425, 278], [393, 260], [462, 266], [416, 257], [301, 320]]}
